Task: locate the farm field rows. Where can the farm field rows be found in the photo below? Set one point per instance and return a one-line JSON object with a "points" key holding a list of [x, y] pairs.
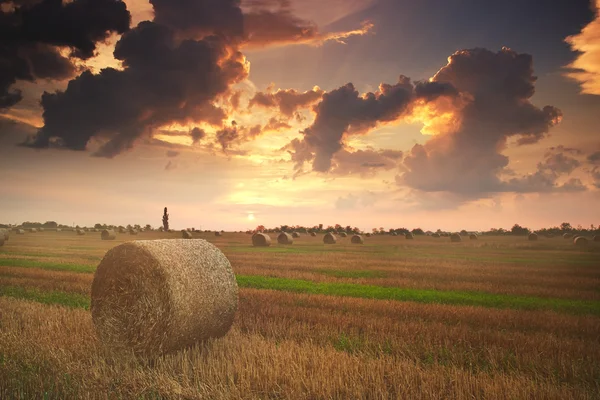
{"points": [[499, 317]]}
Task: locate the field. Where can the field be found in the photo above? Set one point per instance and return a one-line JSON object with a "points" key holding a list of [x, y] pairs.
{"points": [[499, 317]]}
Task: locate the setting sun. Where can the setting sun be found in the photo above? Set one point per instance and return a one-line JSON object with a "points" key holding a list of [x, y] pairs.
{"points": [[250, 217]]}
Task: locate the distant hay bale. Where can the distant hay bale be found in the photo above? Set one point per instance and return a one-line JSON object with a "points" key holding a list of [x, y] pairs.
{"points": [[5, 234], [357, 239], [186, 234], [122, 230], [313, 234], [455, 237], [108, 234], [596, 238], [285, 238], [533, 237], [217, 233], [473, 236], [394, 234], [367, 234], [41, 230], [580, 241], [409, 236], [436, 235], [343, 234], [80, 232], [133, 232], [58, 230], [20, 232], [567, 235], [329, 238], [159, 296], [261, 240], [32, 230], [295, 235]]}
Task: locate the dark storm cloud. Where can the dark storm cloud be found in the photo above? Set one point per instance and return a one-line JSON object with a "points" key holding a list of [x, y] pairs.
{"points": [[496, 87], [287, 101], [594, 158], [365, 163], [344, 111], [164, 80], [32, 32], [197, 134]]}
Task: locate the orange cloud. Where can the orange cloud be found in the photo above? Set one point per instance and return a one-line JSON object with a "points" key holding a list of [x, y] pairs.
{"points": [[586, 67]]}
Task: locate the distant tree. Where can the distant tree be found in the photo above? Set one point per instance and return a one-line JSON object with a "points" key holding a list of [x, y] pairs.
{"points": [[565, 226], [463, 232], [165, 220], [418, 231], [50, 224], [137, 227], [148, 227], [519, 230]]}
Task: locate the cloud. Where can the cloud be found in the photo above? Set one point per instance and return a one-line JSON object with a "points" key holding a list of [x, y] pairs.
{"points": [[365, 163], [594, 158], [197, 134], [351, 201], [496, 88], [32, 33], [172, 153], [344, 111], [288, 101], [585, 69], [165, 80]]}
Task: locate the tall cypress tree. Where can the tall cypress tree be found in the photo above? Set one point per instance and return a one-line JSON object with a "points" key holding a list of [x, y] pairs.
{"points": [[166, 220]]}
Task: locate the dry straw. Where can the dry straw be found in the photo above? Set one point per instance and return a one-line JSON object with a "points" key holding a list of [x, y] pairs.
{"points": [[158, 296], [473, 236], [329, 238], [261, 240], [357, 239], [581, 241], [108, 234], [533, 237], [409, 236], [455, 238], [285, 238], [185, 234]]}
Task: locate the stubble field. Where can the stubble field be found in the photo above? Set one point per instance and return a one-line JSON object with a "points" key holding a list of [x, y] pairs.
{"points": [[499, 317]]}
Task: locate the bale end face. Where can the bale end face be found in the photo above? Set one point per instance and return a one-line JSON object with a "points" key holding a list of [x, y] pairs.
{"points": [[343, 234], [261, 240], [285, 238], [295, 235], [409, 236], [533, 237], [473, 236], [185, 234], [158, 296], [357, 239], [108, 235], [580, 241], [329, 238], [313, 234], [455, 238]]}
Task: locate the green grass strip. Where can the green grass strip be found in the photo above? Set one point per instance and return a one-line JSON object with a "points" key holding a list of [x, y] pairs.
{"points": [[73, 300], [26, 263], [480, 299]]}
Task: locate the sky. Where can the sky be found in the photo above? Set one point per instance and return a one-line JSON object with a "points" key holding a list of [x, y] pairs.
{"points": [[435, 114]]}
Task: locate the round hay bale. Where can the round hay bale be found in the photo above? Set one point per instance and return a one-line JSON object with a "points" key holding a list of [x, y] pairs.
{"points": [[533, 237], [409, 236], [343, 234], [58, 230], [32, 230], [108, 234], [567, 235], [4, 233], [186, 234], [295, 235], [133, 232], [473, 236], [455, 238], [596, 238], [261, 240], [367, 234], [357, 239], [285, 238], [394, 234], [436, 235], [159, 296], [580, 241], [40, 230], [121, 230], [20, 232], [313, 234], [217, 233], [80, 232], [329, 238]]}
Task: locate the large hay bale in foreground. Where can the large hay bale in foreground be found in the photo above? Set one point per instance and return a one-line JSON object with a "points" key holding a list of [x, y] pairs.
{"points": [[455, 238], [108, 234], [533, 237], [80, 232], [596, 238], [567, 235], [473, 236], [329, 238], [357, 239], [580, 241], [343, 234], [313, 234], [409, 236], [185, 234], [261, 240], [159, 296], [285, 238]]}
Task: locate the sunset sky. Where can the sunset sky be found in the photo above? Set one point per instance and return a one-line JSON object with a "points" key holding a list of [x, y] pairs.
{"points": [[461, 114]]}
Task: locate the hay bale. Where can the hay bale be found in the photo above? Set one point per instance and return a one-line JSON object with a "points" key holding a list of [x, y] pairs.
{"points": [[473, 236], [122, 230], [596, 238], [368, 235], [295, 235], [20, 232], [186, 234], [285, 238], [261, 240], [159, 296], [580, 241], [394, 234], [40, 230], [455, 238], [329, 238], [5, 234], [313, 234], [80, 232], [32, 230], [58, 230], [533, 237], [343, 234], [436, 235], [108, 234], [217, 233], [409, 236], [133, 232], [357, 239], [567, 235]]}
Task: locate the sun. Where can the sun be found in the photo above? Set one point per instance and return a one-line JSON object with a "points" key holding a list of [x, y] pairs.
{"points": [[250, 217]]}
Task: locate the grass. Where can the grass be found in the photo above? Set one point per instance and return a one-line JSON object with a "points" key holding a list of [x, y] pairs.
{"points": [[26, 263], [480, 299], [355, 274], [72, 300]]}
